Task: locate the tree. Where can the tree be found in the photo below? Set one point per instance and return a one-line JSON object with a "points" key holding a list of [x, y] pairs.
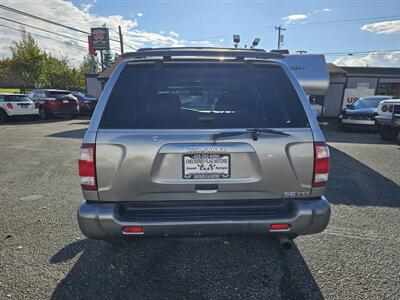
{"points": [[90, 64], [31, 66], [57, 73], [27, 60], [107, 58]]}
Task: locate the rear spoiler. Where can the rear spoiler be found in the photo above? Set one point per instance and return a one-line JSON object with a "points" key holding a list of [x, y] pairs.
{"points": [[310, 70]]}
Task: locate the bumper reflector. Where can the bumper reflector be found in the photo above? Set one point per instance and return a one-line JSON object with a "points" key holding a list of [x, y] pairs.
{"points": [[278, 227], [132, 230]]}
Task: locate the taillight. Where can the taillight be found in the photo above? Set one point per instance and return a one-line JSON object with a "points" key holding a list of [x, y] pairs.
{"points": [[391, 108], [9, 106], [87, 167], [132, 230], [278, 227], [321, 164]]}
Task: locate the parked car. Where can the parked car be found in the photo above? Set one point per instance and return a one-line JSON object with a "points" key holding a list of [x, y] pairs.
{"points": [[53, 103], [199, 145], [361, 114], [86, 103], [16, 105], [389, 118]]}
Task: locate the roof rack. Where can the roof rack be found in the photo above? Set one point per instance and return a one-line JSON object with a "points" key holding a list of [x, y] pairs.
{"points": [[201, 52]]}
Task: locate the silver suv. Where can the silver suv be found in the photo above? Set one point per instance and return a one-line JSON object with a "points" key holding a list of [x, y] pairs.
{"points": [[203, 142]]}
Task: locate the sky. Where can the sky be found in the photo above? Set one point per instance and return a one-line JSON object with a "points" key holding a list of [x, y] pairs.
{"points": [[338, 28]]}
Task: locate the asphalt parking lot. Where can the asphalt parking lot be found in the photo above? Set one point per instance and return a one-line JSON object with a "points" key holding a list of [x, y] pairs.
{"points": [[44, 255]]}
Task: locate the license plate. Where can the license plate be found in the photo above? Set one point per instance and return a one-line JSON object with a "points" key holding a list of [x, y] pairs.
{"points": [[24, 105], [206, 166], [65, 101]]}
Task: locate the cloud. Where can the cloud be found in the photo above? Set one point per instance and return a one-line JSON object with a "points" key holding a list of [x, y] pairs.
{"points": [[86, 7], [221, 40], [386, 27], [174, 34], [201, 43], [294, 18], [67, 13], [327, 9], [372, 59], [140, 14]]}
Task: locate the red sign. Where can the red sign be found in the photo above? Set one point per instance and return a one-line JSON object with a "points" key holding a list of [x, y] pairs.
{"points": [[90, 42]]}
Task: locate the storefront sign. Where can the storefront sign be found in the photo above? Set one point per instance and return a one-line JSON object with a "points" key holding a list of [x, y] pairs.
{"points": [[352, 95], [100, 38]]}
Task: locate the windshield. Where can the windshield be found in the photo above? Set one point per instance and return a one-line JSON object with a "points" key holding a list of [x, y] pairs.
{"points": [[203, 96], [369, 102], [14, 98]]}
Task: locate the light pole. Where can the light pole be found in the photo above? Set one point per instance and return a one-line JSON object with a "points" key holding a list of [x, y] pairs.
{"points": [[255, 43]]}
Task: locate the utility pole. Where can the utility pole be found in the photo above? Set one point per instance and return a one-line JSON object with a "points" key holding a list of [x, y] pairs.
{"points": [[101, 59], [121, 40], [279, 28]]}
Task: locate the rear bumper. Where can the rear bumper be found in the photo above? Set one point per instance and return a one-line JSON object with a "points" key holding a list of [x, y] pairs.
{"points": [[103, 221], [64, 112], [24, 112], [359, 122]]}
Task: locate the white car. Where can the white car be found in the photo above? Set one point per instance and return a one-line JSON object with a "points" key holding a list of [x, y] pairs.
{"points": [[12, 105], [389, 118]]}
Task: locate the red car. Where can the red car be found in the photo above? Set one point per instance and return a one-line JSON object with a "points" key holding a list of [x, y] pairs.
{"points": [[55, 103]]}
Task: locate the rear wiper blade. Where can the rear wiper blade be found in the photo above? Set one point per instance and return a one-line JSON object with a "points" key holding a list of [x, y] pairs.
{"points": [[255, 132], [216, 136]]}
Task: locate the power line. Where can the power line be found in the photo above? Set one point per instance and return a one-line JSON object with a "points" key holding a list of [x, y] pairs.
{"points": [[347, 21], [40, 18], [45, 30], [53, 22], [297, 26], [362, 52], [36, 34], [47, 37]]}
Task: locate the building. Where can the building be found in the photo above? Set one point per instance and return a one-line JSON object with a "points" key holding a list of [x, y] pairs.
{"points": [[347, 84]]}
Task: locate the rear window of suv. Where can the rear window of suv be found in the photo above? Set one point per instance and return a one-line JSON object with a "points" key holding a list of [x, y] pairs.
{"points": [[58, 94], [202, 96]]}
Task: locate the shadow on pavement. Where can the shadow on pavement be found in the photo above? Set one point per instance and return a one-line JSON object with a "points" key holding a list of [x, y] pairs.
{"points": [[186, 268], [74, 134], [353, 183], [26, 121]]}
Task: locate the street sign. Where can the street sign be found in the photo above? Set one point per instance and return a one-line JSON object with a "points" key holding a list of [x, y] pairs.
{"points": [[100, 38]]}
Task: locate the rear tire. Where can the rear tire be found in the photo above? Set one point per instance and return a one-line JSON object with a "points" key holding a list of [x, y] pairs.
{"points": [[389, 133], [42, 113], [3, 116], [340, 125]]}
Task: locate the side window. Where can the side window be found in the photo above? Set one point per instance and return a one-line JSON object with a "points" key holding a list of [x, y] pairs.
{"points": [[31, 95], [1, 98]]}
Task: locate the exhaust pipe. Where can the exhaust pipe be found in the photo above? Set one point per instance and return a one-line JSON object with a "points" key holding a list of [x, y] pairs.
{"points": [[285, 243]]}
